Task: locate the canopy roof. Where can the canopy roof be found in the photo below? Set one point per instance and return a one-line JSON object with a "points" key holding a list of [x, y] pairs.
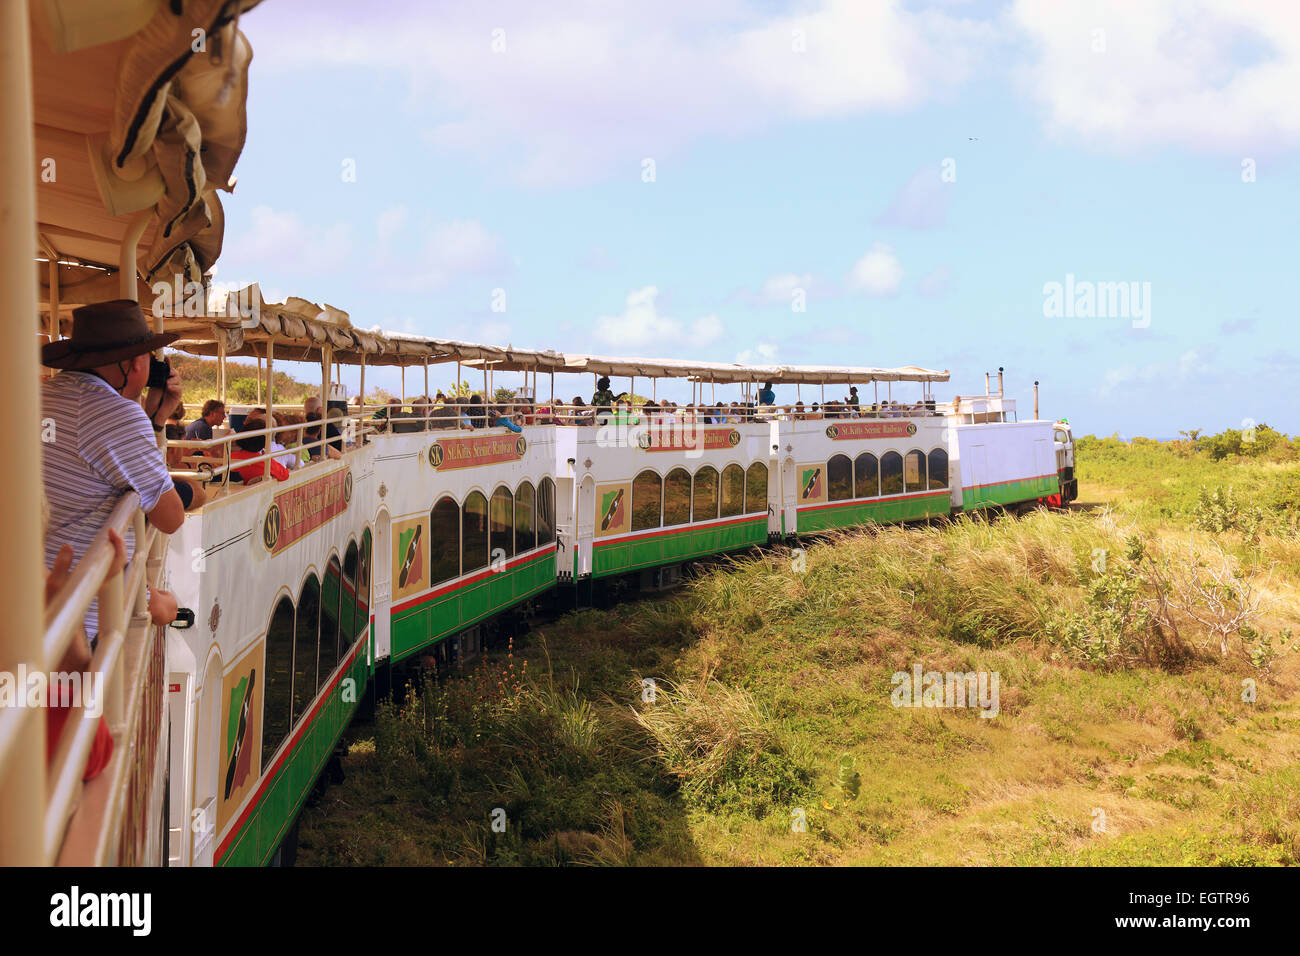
{"points": [[723, 373], [131, 119]]}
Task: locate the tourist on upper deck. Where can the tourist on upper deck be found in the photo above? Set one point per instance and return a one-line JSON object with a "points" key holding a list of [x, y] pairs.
{"points": [[253, 447], [311, 434], [766, 396], [852, 398], [602, 399], [501, 420], [381, 417], [99, 441], [476, 412], [578, 415], [213, 414]]}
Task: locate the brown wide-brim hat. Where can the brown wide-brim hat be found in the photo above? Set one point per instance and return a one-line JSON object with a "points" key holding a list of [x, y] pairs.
{"points": [[104, 333]]}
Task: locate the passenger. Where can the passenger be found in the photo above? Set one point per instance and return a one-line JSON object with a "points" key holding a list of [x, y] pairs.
{"points": [[799, 413], [214, 413], [474, 411], [381, 417], [501, 420], [101, 440], [852, 398], [580, 415], [253, 447], [175, 431], [444, 415], [312, 434], [602, 400], [423, 410], [766, 396]]}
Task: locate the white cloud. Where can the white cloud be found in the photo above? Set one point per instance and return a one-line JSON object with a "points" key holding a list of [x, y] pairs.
{"points": [[1218, 75], [641, 326], [294, 246], [575, 89], [780, 289], [430, 257], [921, 203], [763, 353], [878, 272]]}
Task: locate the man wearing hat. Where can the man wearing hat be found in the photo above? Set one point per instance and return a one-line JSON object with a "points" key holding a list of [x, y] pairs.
{"points": [[99, 442]]}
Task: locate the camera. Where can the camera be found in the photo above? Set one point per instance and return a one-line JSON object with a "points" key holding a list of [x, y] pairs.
{"points": [[159, 372]]}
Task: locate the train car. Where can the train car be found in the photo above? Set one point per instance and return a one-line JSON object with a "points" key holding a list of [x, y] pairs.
{"points": [[409, 540]]}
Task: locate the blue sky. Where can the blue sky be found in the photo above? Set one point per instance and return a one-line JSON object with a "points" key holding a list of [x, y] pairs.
{"points": [[798, 147]]}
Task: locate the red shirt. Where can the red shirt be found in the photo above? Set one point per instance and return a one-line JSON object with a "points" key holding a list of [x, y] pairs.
{"points": [[278, 471]]}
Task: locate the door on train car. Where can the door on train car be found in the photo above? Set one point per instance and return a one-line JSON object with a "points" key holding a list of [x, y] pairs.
{"points": [[586, 523], [789, 498], [207, 764], [382, 570]]}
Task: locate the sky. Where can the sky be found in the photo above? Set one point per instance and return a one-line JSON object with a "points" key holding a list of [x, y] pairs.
{"points": [[954, 185]]}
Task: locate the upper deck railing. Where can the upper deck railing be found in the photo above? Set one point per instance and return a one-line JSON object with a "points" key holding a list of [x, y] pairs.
{"points": [[211, 460]]}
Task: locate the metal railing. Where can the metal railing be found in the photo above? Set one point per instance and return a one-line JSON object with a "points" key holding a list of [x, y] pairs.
{"points": [[96, 811]]}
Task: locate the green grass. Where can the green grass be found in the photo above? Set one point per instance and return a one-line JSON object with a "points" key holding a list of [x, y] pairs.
{"points": [[772, 705]]}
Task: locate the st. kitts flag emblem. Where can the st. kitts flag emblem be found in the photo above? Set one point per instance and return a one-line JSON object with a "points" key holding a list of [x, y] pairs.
{"points": [[611, 510], [239, 748], [810, 482]]}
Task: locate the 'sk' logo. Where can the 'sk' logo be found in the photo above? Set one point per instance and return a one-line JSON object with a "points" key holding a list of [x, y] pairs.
{"points": [[271, 527], [435, 454]]}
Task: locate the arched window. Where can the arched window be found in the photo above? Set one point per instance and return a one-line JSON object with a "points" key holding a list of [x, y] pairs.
{"points": [[704, 499], [677, 497], [363, 583], [866, 476], [732, 498], [914, 470], [503, 523], [839, 474], [444, 541], [938, 468], [525, 527], [331, 594], [891, 473], [756, 488], [277, 681], [352, 623], [545, 512], [647, 492], [474, 533], [306, 633]]}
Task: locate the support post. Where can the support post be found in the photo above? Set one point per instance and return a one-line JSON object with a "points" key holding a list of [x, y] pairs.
{"points": [[22, 756]]}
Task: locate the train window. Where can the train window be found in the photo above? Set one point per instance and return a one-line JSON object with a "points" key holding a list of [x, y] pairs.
{"points": [[677, 497], [647, 494], [352, 623], [474, 533], [866, 476], [704, 500], [331, 592], [839, 474], [732, 499], [444, 541], [891, 473], [914, 470], [278, 679], [756, 488], [545, 511], [503, 524], [306, 633], [938, 468], [525, 531], [363, 583]]}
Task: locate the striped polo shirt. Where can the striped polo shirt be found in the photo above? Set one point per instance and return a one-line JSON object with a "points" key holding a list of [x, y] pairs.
{"points": [[98, 446]]}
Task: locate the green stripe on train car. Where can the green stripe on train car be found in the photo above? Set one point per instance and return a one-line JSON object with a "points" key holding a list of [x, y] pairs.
{"points": [[265, 828], [418, 627], [850, 514], [1010, 492], [618, 558]]}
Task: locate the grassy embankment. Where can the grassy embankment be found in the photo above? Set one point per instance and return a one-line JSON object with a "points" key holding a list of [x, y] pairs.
{"points": [[1122, 735]]}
